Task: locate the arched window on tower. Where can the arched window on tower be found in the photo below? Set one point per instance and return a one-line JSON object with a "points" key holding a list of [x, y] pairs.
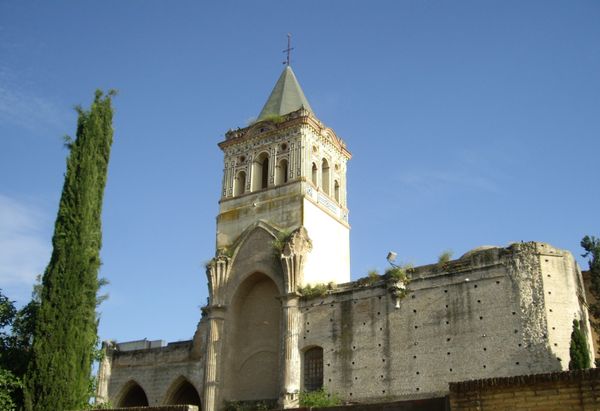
{"points": [[281, 172], [260, 172], [336, 190], [313, 369], [239, 185], [314, 174], [325, 176]]}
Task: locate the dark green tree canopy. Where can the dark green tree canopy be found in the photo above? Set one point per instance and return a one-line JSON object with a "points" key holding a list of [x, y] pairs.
{"points": [[66, 324]]}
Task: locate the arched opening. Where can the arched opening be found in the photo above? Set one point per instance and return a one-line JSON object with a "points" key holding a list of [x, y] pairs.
{"points": [[133, 396], [239, 185], [253, 371], [325, 176], [281, 172], [260, 172], [183, 393], [336, 190], [313, 369], [314, 174]]}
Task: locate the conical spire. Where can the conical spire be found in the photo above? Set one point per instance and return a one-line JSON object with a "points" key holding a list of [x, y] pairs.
{"points": [[287, 96]]}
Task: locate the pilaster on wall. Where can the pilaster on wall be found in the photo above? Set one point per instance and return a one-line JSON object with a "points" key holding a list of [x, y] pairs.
{"points": [[217, 271], [104, 372], [293, 256], [214, 349], [292, 259]]}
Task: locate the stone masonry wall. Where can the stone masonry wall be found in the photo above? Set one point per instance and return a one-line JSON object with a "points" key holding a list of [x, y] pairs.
{"points": [[571, 390], [155, 370], [480, 316]]}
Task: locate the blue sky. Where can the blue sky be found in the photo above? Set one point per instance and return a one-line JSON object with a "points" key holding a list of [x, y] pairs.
{"points": [[471, 123]]}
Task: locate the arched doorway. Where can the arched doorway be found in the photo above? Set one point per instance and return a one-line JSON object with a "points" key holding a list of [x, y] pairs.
{"points": [[182, 392], [255, 333], [133, 396]]}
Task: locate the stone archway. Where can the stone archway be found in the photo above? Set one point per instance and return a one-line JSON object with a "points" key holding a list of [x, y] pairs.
{"points": [[182, 392], [254, 349], [132, 395]]}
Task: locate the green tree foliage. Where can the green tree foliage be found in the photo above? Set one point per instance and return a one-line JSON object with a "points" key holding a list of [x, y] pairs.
{"points": [[580, 355], [66, 324], [318, 398], [591, 245]]}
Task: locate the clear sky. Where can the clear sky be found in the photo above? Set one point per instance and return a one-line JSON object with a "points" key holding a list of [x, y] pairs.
{"points": [[470, 122]]}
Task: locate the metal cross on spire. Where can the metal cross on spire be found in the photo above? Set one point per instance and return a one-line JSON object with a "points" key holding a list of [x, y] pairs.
{"points": [[288, 50]]}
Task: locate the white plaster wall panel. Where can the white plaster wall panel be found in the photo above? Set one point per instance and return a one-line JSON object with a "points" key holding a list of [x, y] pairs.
{"points": [[329, 260]]}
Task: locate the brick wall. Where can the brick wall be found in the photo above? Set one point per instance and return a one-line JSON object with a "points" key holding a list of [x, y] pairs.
{"points": [[569, 390]]}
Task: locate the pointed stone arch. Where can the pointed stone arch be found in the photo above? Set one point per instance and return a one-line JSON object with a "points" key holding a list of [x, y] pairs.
{"points": [[254, 339], [182, 392], [132, 395]]}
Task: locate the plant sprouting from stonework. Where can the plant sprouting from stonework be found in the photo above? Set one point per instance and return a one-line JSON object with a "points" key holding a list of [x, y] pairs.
{"points": [[398, 278], [315, 290], [372, 277], [444, 258], [282, 238]]}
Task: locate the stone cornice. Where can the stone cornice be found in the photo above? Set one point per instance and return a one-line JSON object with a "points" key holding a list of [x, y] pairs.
{"points": [[267, 128]]}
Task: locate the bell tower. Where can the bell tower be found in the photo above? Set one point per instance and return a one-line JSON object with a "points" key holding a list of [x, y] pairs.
{"points": [[288, 170], [282, 225]]}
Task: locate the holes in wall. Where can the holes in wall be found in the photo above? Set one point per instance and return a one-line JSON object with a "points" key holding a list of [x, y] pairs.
{"points": [[484, 366], [516, 331], [331, 320], [418, 389], [450, 369], [517, 363], [448, 353], [480, 317], [415, 357], [445, 291], [479, 301], [520, 345], [484, 349], [416, 326], [352, 362], [383, 391], [354, 347], [418, 373], [378, 313], [446, 305], [448, 339], [514, 313], [355, 378], [380, 328], [412, 296], [475, 286], [307, 323], [379, 345], [364, 323], [550, 310], [383, 360], [351, 394], [415, 311], [497, 282]]}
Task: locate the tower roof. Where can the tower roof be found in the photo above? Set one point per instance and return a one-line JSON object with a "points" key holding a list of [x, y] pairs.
{"points": [[287, 96]]}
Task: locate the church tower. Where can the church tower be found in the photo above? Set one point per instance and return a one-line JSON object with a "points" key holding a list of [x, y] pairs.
{"points": [[282, 226], [288, 171]]}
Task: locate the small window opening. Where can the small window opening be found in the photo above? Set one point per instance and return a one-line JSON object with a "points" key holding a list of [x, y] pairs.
{"points": [[313, 369]]}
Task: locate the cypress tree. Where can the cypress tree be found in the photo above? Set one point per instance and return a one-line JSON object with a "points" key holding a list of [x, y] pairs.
{"points": [[65, 335], [580, 356]]}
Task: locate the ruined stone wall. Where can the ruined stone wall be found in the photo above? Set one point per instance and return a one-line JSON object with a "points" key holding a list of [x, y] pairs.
{"points": [[482, 315], [156, 370]]}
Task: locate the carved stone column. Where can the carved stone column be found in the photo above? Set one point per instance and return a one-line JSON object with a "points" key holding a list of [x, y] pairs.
{"points": [[217, 271], [214, 346], [291, 352], [104, 372], [294, 252]]}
